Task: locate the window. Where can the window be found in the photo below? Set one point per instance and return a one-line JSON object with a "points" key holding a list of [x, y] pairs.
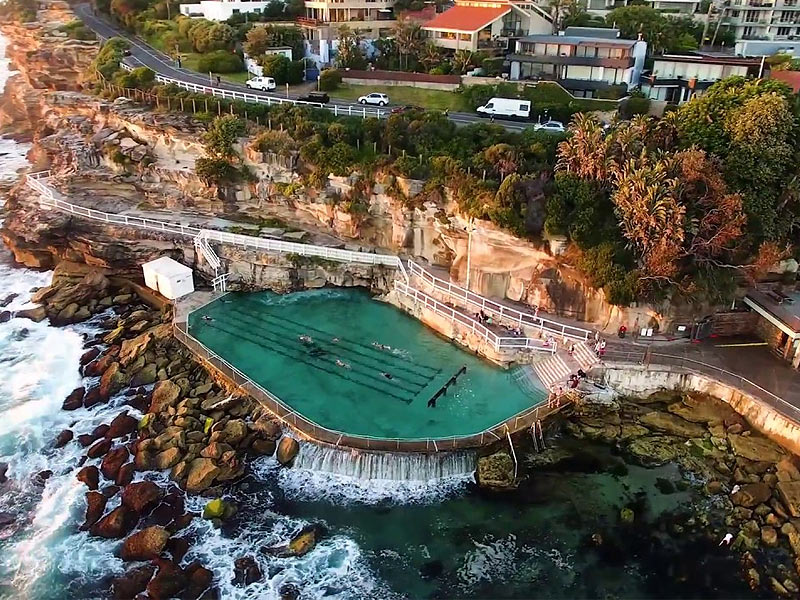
{"points": [[602, 52], [235, 11], [783, 30], [552, 50]]}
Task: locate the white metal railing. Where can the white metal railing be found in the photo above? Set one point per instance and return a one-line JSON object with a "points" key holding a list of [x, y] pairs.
{"points": [[499, 343], [50, 197], [463, 296], [339, 111]]}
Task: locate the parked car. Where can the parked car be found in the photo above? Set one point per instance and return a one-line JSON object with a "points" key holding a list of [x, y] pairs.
{"points": [[550, 126], [374, 98], [261, 83], [509, 108], [318, 97], [408, 107]]}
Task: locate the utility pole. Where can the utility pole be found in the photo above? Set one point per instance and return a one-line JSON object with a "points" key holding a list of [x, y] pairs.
{"points": [[705, 27]]}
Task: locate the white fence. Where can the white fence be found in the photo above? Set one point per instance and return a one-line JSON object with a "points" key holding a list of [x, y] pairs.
{"points": [[464, 297], [49, 197], [499, 343], [340, 111]]}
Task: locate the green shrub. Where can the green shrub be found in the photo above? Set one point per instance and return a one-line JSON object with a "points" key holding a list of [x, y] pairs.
{"points": [[76, 30], [220, 61], [278, 142], [634, 106], [140, 78], [493, 66], [107, 60], [216, 171], [329, 80]]}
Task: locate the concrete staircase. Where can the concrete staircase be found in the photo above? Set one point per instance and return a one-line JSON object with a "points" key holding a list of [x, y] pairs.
{"points": [[556, 369]]}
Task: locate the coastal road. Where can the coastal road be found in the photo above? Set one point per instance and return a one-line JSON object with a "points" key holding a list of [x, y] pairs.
{"points": [[143, 54]]}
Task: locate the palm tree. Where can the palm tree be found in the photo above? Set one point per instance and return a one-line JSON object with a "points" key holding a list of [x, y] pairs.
{"points": [[430, 56], [407, 38], [462, 60]]}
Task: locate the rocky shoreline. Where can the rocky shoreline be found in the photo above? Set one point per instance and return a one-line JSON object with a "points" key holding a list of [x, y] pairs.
{"points": [[176, 420], [752, 481]]}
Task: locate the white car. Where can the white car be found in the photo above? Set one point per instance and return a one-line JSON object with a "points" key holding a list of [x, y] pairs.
{"points": [[261, 83], [551, 126], [379, 99]]}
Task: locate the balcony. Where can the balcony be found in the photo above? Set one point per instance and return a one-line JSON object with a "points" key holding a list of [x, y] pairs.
{"points": [[308, 22]]}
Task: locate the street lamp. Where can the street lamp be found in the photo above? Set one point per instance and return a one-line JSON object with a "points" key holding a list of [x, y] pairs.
{"points": [[469, 229]]}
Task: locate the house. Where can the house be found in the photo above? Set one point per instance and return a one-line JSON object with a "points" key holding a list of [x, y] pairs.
{"points": [[221, 10], [586, 61], [251, 66], [677, 78], [371, 19], [778, 321], [767, 47], [477, 24], [762, 19]]}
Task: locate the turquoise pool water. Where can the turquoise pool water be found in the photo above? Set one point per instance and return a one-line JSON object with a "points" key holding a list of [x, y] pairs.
{"points": [[325, 353]]}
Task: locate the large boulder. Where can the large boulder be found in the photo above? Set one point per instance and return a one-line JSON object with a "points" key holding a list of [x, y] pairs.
{"points": [[756, 448], [702, 408], [99, 448], [112, 381], [167, 459], [165, 394], [246, 571], [113, 461], [234, 432], [90, 476], [141, 496], [215, 450], [95, 507], [116, 524], [147, 544], [132, 583], [654, 451], [63, 438], [168, 582], [789, 493], [201, 474], [133, 348], [495, 471], [75, 399], [287, 450], [267, 428], [751, 494], [672, 425], [122, 424]]}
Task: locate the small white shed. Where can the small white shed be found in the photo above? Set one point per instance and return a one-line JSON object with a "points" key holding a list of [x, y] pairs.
{"points": [[168, 277]]}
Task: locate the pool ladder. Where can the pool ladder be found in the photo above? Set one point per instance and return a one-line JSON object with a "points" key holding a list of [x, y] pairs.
{"points": [[537, 434]]}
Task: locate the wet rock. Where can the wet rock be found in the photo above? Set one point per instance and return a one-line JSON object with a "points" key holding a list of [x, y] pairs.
{"points": [[132, 349], [495, 471], [289, 591], [6, 519], [756, 448], [147, 544], [167, 459], [112, 381], [215, 450], [116, 524], [263, 447], [288, 449], [36, 314], [219, 509], [63, 438], [90, 476], [653, 451], [672, 425], [713, 487], [165, 394], [753, 578], [132, 583], [246, 571], [93, 397], [301, 543], [199, 579], [751, 494], [99, 448], [168, 582], [95, 506], [777, 587], [234, 432], [786, 470], [123, 424], [125, 475], [769, 537], [113, 461], [3, 470], [789, 493], [74, 400], [201, 474], [100, 365], [89, 356], [267, 428], [145, 376], [142, 496], [177, 548]]}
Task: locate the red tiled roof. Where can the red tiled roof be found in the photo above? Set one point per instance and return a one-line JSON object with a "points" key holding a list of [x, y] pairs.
{"points": [[790, 77], [466, 18]]}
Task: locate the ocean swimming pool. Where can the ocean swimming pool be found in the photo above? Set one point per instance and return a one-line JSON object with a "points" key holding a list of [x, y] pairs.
{"points": [[326, 353]]}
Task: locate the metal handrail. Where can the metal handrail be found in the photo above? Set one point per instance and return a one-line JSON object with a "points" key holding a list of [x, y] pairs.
{"points": [[702, 368], [339, 111], [516, 343], [286, 414], [49, 197], [505, 312]]}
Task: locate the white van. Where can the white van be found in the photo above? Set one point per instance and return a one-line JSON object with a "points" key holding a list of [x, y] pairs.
{"points": [[506, 108], [261, 83]]}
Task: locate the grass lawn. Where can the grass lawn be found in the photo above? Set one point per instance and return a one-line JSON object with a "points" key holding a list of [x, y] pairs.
{"points": [[400, 94]]}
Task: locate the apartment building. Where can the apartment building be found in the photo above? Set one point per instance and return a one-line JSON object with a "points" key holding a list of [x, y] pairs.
{"points": [[763, 19], [221, 10], [601, 8], [482, 24], [586, 61], [677, 78]]}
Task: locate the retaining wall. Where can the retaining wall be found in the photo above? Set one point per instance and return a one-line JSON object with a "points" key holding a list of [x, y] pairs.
{"points": [[638, 379]]}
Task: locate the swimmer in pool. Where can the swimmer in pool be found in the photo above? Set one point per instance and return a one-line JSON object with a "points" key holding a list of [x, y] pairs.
{"points": [[335, 340], [387, 375], [341, 363], [317, 351], [305, 339], [207, 318]]}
